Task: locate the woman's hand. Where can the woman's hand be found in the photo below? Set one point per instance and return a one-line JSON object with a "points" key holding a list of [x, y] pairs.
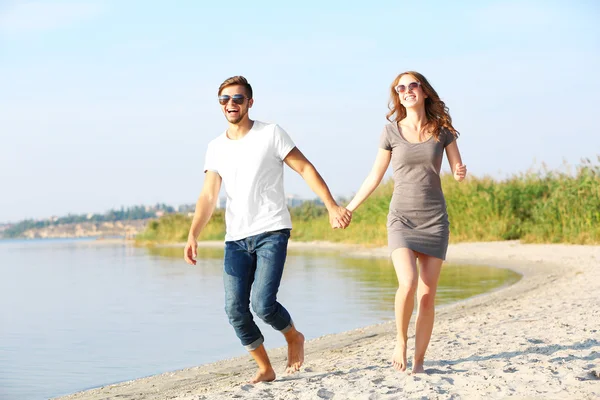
{"points": [[460, 171]]}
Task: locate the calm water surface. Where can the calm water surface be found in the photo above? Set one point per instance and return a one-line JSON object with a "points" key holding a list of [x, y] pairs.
{"points": [[77, 314]]}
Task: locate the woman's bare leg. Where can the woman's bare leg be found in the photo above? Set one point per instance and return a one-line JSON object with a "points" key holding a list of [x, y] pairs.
{"points": [[429, 274], [404, 261]]}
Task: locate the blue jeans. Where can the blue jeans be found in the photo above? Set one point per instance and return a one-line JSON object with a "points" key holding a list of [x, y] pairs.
{"points": [[256, 263]]}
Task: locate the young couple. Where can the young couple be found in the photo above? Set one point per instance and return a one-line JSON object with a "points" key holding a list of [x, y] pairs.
{"points": [[249, 156]]}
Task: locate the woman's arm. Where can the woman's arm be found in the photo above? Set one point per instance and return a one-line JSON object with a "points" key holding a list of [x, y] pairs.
{"points": [[459, 171], [382, 161]]}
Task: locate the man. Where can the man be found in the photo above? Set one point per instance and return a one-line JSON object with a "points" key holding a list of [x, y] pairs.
{"points": [[248, 158]]}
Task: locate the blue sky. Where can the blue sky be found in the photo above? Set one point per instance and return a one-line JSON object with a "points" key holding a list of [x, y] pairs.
{"points": [[107, 103]]}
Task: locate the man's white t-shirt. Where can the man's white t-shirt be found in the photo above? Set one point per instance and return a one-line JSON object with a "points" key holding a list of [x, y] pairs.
{"points": [[252, 173]]}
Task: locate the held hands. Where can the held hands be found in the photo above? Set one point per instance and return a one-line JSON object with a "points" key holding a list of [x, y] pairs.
{"points": [[190, 253], [460, 171], [339, 217]]}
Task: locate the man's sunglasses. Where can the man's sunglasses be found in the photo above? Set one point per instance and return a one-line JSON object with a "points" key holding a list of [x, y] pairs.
{"points": [[237, 99], [411, 86]]}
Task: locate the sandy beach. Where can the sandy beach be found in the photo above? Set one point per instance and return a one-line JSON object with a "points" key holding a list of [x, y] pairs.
{"points": [[537, 339]]}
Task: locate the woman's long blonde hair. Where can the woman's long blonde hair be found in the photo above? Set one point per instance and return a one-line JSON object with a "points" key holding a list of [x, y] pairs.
{"points": [[438, 115]]}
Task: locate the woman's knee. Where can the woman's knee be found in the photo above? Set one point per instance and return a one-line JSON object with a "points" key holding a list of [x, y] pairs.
{"points": [[426, 301], [407, 287]]}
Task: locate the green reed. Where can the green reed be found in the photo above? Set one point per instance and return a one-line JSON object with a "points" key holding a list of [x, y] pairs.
{"points": [[536, 206], [174, 228]]}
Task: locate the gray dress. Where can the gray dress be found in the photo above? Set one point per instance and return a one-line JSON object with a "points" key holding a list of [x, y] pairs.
{"points": [[417, 217]]}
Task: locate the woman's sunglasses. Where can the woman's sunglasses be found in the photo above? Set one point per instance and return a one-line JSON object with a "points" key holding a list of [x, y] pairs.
{"points": [[411, 86], [237, 99]]}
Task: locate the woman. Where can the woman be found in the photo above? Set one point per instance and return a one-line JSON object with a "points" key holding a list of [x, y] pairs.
{"points": [[420, 129]]}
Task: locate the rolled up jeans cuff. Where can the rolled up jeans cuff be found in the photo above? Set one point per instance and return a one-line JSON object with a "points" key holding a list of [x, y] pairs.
{"points": [[287, 328], [256, 344]]}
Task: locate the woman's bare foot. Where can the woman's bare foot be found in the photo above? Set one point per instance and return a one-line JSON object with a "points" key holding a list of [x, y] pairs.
{"points": [[264, 376], [399, 357], [295, 352], [418, 367]]}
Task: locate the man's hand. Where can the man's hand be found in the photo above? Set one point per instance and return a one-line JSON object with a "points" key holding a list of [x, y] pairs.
{"points": [[460, 171], [339, 217], [191, 251]]}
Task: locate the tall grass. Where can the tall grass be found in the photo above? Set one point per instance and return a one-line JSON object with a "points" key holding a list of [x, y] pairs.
{"points": [[174, 228], [537, 206], [368, 225]]}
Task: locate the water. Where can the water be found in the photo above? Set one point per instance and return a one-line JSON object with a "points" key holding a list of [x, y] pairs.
{"points": [[77, 314]]}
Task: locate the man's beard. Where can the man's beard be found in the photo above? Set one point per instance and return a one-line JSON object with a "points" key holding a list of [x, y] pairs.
{"points": [[238, 119]]}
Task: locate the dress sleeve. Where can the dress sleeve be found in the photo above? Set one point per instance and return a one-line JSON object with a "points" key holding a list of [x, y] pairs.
{"points": [[384, 140], [448, 137]]}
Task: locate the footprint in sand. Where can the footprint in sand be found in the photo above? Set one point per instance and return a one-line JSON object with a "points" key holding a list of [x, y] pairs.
{"points": [[325, 394], [535, 341], [590, 376]]}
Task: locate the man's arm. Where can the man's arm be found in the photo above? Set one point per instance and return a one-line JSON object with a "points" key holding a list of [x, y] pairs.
{"points": [[338, 216], [204, 208]]}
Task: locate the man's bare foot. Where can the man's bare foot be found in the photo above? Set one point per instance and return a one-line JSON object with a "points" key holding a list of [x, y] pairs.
{"points": [[418, 367], [399, 357], [264, 376], [295, 353]]}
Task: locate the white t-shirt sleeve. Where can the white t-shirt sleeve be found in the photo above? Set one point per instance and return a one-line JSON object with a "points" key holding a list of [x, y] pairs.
{"points": [[210, 160], [283, 142]]}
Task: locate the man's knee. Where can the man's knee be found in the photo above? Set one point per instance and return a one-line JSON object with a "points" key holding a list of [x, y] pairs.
{"points": [[236, 314], [264, 309]]}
